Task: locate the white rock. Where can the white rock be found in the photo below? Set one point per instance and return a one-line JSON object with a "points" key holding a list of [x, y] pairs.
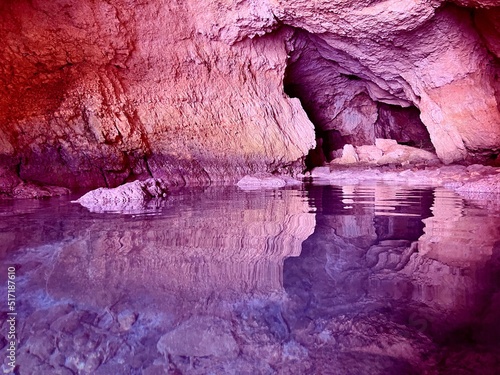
{"points": [[368, 153], [384, 144], [130, 197]]}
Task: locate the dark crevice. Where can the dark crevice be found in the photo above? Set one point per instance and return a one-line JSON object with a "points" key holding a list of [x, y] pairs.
{"points": [[146, 165]]}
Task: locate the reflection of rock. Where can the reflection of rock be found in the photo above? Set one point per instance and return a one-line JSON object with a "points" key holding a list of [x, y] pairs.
{"points": [[455, 238], [133, 197], [238, 244], [384, 290], [147, 294], [465, 180], [160, 292]]}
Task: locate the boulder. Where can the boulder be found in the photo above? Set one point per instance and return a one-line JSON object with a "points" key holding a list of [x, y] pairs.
{"points": [[385, 144], [265, 181], [369, 153], [349, 156], [200, 336], [131, 197]]}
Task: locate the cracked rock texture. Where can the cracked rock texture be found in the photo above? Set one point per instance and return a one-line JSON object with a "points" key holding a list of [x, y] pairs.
{"points": [[99, 93], [131, 197]]}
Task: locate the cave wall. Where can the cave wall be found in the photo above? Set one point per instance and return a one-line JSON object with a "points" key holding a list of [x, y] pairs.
{"points": [[438, 63], [93, 93]]}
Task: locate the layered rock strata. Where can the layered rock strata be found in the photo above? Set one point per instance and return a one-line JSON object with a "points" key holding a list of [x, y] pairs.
{"points": [[98, 93]]}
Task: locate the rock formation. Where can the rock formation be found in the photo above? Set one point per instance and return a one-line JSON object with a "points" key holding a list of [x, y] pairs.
{"points": [[99, 93], [132, 197], [467, 181]]}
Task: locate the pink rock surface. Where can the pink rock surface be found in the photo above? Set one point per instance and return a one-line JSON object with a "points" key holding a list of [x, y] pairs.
{"points": [[132, 197], [93, 94]]}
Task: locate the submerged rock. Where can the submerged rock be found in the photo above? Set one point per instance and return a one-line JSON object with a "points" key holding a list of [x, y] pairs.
{"points": [[200, 336], [265, 181], [132, 197], [472, 179], [27, 190]]}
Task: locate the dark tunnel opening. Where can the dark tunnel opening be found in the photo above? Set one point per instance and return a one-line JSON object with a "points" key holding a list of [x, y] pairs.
{"points": [[340, 106]]}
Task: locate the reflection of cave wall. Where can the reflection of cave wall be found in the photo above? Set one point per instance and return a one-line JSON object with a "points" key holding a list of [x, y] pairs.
{"points": [[345, 107], [358, 260]]}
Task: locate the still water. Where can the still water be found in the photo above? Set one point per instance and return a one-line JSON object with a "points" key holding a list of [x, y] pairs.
{"points": [[367, 279]]}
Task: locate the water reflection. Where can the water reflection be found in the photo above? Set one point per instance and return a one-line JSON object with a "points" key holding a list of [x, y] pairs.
{"points": [[365, 279], [396, 282]]}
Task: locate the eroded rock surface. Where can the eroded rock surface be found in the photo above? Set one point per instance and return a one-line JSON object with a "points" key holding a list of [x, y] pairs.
{"points": [[472, 179], [132, 197], [96, 93], [266, 181], [385, 151]]}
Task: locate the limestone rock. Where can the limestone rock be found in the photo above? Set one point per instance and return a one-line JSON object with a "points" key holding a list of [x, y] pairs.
{"points": [[98, 93], [113, 92], [490, 184], [403, 125], [442, 66], [131, 197], [265, 181], [385, 144], [401, 154], [349, 156], [27, 190], [200, 336], [369, 153]]}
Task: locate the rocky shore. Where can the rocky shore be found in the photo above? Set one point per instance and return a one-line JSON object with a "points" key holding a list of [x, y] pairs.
{"points": [[462, 179]]}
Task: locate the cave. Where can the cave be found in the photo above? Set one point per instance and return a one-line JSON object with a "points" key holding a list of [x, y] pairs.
{"points": [[157, 216], [346, 107]]}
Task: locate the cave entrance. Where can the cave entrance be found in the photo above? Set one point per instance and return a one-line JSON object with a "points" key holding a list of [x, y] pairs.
{"points": [[342, 105], [359, 122]]}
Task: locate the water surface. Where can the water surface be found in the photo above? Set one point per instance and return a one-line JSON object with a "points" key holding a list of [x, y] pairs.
{"points": [[366, 279]]}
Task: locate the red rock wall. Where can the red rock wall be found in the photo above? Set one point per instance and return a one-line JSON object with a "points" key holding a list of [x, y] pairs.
{"points": [[93, 93]]}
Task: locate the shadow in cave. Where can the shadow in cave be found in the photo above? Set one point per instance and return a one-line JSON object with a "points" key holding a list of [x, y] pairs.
{"points": [[343, 106]]}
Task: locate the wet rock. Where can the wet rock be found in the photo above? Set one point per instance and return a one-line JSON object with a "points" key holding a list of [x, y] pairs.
{"points": [[126, 319], [265, 181], [26, 190], [474, 179], [490, 184], [128, 198], [320, 171], [200, 336]]}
